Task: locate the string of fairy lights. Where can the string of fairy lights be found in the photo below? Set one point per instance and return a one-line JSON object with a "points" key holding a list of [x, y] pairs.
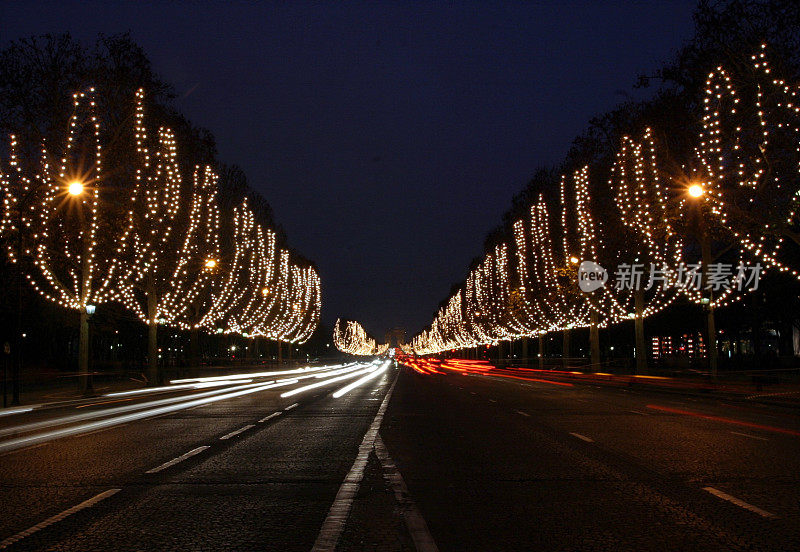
{"points": [[350, 337], [742, 184], [148, 238]]}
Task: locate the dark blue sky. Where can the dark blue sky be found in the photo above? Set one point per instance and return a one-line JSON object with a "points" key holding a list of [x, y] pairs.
{"points": [[388, 137]]}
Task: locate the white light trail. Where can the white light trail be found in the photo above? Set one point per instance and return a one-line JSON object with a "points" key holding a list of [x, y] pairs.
{"points": [[361, 381], [175, 387], [84, 416], [259, 374], [101, 424], [15, 411], [326, 382]]}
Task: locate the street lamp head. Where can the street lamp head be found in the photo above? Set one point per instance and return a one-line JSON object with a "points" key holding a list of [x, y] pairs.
{"points": [[696, 190], [265, 291], [574, 260], [210, 263], [90, 309], [75, 188]]}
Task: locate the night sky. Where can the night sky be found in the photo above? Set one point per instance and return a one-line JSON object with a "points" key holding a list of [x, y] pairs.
{"points": [[389, 138]]}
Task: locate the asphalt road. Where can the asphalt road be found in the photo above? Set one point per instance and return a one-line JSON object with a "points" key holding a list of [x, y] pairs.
{"points": [[449, 462]]}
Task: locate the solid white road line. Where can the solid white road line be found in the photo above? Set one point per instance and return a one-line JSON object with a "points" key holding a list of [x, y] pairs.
{"points": [[236, 432], [738, 502], [582, 437], [492, 400], [750, 436], [417, 528], [521, 413], [180, 458], [340, 509], [267, 418], [295, 405], [637, 412], [58, 517]]}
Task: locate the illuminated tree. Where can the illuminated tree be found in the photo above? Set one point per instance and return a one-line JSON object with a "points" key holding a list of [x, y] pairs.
{"points": [[350, 337], [146, 254], [72, 225]]}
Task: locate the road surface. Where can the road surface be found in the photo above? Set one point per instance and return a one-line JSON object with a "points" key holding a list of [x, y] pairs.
{"points": [[403, 461]]}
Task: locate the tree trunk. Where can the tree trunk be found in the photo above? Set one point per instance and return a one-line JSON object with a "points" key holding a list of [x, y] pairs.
{"points": [[541, 352], [194, 347], [705, 246], [525, 349], [83, 355], [712, 341], [641, 350], [594, 340], [152, 353], [152, 336], [280, 353], [566, 349]]}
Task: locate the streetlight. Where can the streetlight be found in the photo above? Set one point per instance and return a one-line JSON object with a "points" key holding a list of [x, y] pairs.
{"points": [[696, 190], [83, 350], [210, 263], [75, 188]]}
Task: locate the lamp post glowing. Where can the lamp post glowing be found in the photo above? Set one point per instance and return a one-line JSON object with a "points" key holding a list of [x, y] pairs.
{"points": [[210, 264], [75, 188], [83, 350], [696, 191]]}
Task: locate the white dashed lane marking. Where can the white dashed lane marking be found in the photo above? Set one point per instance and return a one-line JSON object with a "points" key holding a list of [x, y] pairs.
{"points": [[750, 436], [266, 418], [236, 432], [58, 517], [295, 405], [738, 502], [334, 523], [180, 458], [582, 437], [417, 528], [521, 413]]}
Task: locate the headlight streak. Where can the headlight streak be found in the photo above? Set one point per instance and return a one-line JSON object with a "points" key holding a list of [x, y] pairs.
{"points": [[84, 416], [168, 388], [260, 374], [326, 382], [359, 366], [361, 381], [15, 411], [101, 424]]}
